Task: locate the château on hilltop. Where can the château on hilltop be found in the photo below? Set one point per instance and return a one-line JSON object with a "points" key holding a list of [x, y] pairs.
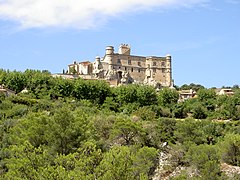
{"points": [[124, 68]]}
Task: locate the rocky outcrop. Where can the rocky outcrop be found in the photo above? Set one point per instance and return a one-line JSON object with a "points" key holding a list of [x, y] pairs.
{"points": [[167, 169], [230, 170]]}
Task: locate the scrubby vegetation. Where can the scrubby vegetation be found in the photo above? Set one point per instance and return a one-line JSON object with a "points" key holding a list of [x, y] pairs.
{"points": [[79, 129]]}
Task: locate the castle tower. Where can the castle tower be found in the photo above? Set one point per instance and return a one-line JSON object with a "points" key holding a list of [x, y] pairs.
{"points": [[124, 49], [97, 63], [109, 50], [97, 58], [168, 70], [109, 56]]}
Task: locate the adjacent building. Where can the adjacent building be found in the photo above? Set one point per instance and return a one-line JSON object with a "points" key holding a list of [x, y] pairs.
{"points": [[225, 91], [6, 91], [186, 94]]}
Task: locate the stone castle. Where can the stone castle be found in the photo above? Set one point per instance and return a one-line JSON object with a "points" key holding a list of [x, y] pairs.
{"points": [[124, 68]]}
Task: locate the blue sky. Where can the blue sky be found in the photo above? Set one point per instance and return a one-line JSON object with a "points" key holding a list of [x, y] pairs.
{"points": [[203, 36]]}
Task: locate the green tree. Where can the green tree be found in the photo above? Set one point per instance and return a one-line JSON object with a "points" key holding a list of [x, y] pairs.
{"points": [[189, 131], [62, 88], [142, 95], [159, 131], [205, 159], [230, 149], [123, 162], [198, 111], [16, 81], [110, 104], [68, 130], [145, 113], [192, 86], [116, 164], [168, 97], [32, 129], [146, 95], [82, 163], [39, 83], [166, 129], [206, 94], [3, 75], [144, 161], [127, 131], [179, 110], [126, 94], [94, 90], [25, 161]]}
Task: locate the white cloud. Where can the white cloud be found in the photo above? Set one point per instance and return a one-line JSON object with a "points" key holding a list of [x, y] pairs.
{"points": [[80, 14], [233, 2]]}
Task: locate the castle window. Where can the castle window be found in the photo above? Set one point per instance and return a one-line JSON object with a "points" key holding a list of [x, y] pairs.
{"points": [[119, 61], [132, 69], [139, 63], [154, 63], [139, 70], [163, 64], [163, 70], [154, 70], [125, 68], [129, 62]]}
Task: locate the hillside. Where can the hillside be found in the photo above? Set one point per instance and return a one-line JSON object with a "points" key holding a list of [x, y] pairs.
{"points": [[76, 129]]}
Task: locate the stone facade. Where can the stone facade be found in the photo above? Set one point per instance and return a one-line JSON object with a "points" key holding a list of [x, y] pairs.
{"points": [[124, 68]]}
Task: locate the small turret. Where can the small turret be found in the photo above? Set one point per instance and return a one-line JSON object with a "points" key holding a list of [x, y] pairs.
{"points": [[109, 50], [168, 57], [124, 49], [168, 60], [109, 56], [169, 70], [97, 59], [97, 65]]}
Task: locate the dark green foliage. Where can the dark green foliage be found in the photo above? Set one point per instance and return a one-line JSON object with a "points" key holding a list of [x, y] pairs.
{"points": [[142, 95], [145, 113], [93, 90], [68, 130], [126, 94], [3, 75], [180, 111], [2, 97], [205, 159], [127, 132], [15, 81], [206, 94], [62, 88], [110, 104], [167, 97], [159, 131], [189, 131], [192, 86], [123, 162], [25, 161], [230, 148], [198, 111], [146, 95]]}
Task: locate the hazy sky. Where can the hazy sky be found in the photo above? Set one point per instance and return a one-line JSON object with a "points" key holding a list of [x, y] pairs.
{"points": [[203, 36]]}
